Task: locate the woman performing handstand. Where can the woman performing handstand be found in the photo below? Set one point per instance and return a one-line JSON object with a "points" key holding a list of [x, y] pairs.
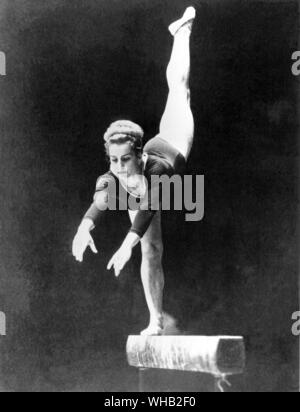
{"points": [[165, 154]]}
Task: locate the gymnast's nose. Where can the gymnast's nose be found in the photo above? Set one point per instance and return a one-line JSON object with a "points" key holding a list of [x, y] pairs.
{"points": [[121, 168]]}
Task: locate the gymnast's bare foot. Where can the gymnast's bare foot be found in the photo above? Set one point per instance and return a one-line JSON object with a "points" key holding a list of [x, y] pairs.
{"points": [[187, 19], [165, 325], [155, 328]]}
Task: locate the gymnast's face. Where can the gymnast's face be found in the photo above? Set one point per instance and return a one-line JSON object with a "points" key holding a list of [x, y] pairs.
{"points": [[124, 162]]}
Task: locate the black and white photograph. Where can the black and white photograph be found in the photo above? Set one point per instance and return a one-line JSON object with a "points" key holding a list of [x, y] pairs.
{"points": [[149, 198]]}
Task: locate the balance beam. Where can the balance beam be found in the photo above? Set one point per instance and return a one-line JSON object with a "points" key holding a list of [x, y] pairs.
{"points": [[219, 356]]}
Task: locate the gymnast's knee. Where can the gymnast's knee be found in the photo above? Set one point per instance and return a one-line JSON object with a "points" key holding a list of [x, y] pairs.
{"points": [[152, 251], [177, 81]]}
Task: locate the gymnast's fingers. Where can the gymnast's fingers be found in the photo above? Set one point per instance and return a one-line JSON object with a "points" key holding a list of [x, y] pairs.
{"points": [[111, 263], [79, 257], [117, 271], [93, 247]]}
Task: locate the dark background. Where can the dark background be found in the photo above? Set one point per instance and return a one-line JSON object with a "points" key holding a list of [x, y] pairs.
{"points": [[75, 66]]}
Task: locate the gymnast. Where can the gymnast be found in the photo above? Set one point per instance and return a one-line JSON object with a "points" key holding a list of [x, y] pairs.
{"points": [[131, 164]]}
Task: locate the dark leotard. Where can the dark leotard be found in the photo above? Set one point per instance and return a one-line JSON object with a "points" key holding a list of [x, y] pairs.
{"points": [[163, 159]]}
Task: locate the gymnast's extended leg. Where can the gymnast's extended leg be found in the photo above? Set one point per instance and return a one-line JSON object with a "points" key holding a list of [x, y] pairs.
{"points": [[177, 123]]}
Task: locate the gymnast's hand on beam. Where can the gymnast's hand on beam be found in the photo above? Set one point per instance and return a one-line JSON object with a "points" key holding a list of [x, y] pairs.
{"points": [[119, 260], [81, 242]]}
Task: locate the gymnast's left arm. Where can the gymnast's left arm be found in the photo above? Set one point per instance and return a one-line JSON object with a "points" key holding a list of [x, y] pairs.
{"points": [[139, 227], [123, 255]]}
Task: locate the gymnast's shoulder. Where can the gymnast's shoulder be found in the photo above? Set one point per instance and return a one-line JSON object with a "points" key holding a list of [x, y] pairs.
{"points": [[157, 166], [103, 183]]}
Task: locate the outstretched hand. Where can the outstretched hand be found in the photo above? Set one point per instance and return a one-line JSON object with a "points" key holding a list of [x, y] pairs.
{"points": [[81, 242], [119, 260]]}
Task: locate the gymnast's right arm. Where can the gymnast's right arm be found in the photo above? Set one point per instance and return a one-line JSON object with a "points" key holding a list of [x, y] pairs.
{"points": [[83, 238]]}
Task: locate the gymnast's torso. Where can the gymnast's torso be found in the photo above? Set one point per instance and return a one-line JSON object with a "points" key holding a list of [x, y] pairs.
{"points": [[159, 159]]}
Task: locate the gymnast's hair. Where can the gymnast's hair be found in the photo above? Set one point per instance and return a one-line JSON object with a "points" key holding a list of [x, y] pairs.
{"points": [[125, 131]]}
